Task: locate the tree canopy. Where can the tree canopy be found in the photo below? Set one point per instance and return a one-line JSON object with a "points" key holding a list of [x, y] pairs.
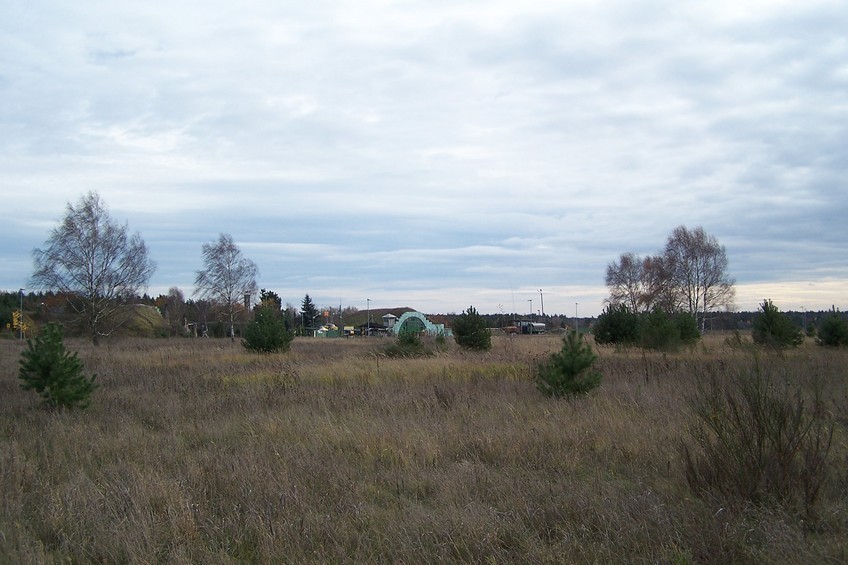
{"points": [[689, 275], [96, 262], [227, 277]]}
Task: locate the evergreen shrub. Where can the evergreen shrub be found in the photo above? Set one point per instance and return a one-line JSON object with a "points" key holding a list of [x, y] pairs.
{"points": [[570, 371], [772, 328], [833, 331], [470, 331], [267, 333], [55, 373], [617, 325]]}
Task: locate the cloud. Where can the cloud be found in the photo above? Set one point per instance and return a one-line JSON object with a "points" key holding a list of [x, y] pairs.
{"points": [[382, 147]]}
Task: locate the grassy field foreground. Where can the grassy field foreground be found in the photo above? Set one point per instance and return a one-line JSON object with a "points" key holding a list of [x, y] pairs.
{"points": [[195, 451]]}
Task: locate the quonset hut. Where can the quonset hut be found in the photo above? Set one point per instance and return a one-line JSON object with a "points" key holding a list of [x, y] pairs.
{"points": [[414, 322]]}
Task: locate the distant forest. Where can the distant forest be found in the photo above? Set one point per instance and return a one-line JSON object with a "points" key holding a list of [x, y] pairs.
{"points": [[42, 307]]}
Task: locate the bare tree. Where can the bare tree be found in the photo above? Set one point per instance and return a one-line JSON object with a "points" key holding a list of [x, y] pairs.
{"points": [[658, 288], [93, 260], [640, 284], [625, 280], [176, 308], [697, 267], [226, 278]]}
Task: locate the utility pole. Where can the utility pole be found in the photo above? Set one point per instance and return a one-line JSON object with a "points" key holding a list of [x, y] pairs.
{"points": [[542, 298], [368, 310], [21, 321], [576, 321]]}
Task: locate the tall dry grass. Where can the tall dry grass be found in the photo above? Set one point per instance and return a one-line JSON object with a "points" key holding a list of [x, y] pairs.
{"points": [[194, 451]]}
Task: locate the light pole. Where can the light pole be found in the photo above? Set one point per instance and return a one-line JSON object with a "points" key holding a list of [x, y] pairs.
{"points": [[542, 298], [576, 322], [21, 321], [368, 310], [530, 327]]}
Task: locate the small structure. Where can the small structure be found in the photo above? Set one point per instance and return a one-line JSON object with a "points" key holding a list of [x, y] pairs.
{"points": [[532, 327], [389, 321], [414, 322]]}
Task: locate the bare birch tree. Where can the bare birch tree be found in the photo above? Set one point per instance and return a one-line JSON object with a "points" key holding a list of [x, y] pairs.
{"points": [[625, 280], [639, 283], [689, 275], [226, 278], [697, 266], [95, 262]]}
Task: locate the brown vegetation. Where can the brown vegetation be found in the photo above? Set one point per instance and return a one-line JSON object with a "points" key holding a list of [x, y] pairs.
{"points": [[195, 451]]}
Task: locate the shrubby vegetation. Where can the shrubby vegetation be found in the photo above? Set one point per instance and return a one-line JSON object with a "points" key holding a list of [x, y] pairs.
{"points": [[759, 437], [619, 325], [407, 344], [470, 331], [53, 372], [267, 333], [570, 371], [833, 331], [771, 328], [342, 455]]}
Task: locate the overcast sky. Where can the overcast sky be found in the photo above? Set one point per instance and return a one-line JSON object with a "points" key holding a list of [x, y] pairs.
{"points": [[436, 154]]}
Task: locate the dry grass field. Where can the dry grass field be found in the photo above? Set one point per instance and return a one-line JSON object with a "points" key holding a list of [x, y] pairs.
{"points": [[195, 451]]}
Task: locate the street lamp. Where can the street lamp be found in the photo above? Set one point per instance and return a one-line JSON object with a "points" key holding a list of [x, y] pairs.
{"points": [[542, 298], [576, 322], [21, 321], [368, 309]]}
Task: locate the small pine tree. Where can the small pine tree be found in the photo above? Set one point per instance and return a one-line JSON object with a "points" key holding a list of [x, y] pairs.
{"points": [[570, 371], [773, 329], [470, 331], [658, 331], [617, 325], [833, 331], [687, 326], [267, 332], [55, 373]]}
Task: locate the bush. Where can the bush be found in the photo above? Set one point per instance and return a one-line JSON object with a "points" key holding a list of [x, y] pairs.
{"points": [[570, 371], [617, 325], [55, 373], [771, 328], [267, 333], [470, 331], [754, 438], [407, 344], [833, 331], [658, 330], [652, 330], [687, 328]]}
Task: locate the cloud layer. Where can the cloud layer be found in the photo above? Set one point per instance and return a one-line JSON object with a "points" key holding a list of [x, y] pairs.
{"points": [[436, 154]]}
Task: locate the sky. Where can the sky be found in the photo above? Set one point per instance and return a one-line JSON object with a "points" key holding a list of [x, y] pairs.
{"points": [[436, 154]]}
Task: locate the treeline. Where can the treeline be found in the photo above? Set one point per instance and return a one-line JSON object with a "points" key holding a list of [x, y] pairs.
{"points": [[182, 316]]}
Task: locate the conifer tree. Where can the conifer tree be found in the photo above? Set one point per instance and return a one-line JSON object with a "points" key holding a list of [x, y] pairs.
{"points": [[570, 371], [471, 331], [55, 373]]}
